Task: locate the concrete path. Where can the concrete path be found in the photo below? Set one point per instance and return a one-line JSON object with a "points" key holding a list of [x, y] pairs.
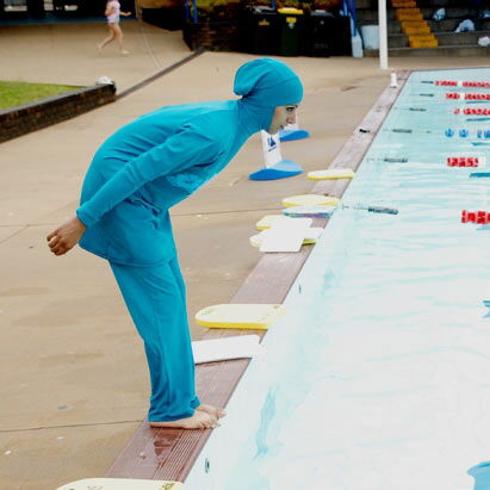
{"points": [[72, 369]]}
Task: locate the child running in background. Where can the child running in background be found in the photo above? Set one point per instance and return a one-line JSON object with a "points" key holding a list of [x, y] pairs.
{"points": [[113, 13]]}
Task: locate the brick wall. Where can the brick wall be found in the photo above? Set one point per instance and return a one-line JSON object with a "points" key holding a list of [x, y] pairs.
{"points": [[36, 115]]}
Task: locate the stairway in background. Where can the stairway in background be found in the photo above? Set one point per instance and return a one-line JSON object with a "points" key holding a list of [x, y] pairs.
{"points": [[413, 24], [413, 32]]}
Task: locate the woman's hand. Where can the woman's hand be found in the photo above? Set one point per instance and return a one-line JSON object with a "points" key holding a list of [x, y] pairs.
{"points": [[66, 236], [126, 14]]}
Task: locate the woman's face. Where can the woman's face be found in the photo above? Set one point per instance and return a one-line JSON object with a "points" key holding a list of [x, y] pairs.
{"points": [[283, 115]]}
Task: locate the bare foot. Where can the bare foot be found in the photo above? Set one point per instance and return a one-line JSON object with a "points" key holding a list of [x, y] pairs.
{"points": [[200, 420], [99, 48], [124, 52], [212, 410]]}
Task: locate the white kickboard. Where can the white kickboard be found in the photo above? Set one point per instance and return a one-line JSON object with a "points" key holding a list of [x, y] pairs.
{"points": [[121, 484], [223, 349], [286, 236], [272, 220], [311, 236]]}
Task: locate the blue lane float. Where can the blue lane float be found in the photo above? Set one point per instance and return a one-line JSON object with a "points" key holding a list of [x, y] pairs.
{"points": [[480, 175], [275, 166]]}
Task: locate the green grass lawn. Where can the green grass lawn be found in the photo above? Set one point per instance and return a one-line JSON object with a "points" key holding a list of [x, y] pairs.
{"points": [[17, 93]]}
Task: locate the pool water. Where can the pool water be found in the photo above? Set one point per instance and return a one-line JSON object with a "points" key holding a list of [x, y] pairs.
{"points": [[378, 378]]}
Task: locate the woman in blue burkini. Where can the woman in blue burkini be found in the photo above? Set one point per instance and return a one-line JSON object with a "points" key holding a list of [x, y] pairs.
{"points": [[136, 175]]}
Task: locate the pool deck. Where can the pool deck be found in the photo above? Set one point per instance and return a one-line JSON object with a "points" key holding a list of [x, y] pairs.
{"points": [[73, 372]]}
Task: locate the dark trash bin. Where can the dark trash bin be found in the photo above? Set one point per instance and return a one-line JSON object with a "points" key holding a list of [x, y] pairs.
{"points": [[171, 18], [260, 32], [318, 33], [291, 26], [35, 8], [341, 44]]}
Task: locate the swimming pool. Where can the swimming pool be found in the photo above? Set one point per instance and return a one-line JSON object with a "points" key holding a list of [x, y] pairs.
{"points": [[379, 375]]}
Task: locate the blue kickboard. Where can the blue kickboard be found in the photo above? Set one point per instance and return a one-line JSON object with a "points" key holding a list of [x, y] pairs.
{"points": [[281, 170], [293, 134]]}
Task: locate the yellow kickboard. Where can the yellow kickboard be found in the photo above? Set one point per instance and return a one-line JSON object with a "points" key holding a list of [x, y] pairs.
{"points": [[331, 174], [309, 200], [242, 316], [121, 484]]}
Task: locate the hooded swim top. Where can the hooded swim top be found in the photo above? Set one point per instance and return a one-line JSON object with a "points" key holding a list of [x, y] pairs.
{"points": [[162, 157]]}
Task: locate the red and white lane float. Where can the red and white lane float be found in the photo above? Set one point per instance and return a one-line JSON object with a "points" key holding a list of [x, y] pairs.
{"points": [[478, 217], [462, 83], [467, 96], [472, 111], [461, 161]]}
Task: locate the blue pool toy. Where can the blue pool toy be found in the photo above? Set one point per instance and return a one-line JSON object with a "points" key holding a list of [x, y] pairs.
{"points": [[275, 167], [280, 170], [293, 134], [481, 474]]}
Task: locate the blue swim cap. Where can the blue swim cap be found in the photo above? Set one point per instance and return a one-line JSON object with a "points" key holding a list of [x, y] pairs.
{"points": [[265, 82]]}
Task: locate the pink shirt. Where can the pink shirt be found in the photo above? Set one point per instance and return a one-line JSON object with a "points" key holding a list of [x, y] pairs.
{"points": [[114, 17]]}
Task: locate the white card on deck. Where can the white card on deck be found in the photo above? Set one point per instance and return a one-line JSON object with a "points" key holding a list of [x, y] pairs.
{"points": [[226, 348], [286, 236]]}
